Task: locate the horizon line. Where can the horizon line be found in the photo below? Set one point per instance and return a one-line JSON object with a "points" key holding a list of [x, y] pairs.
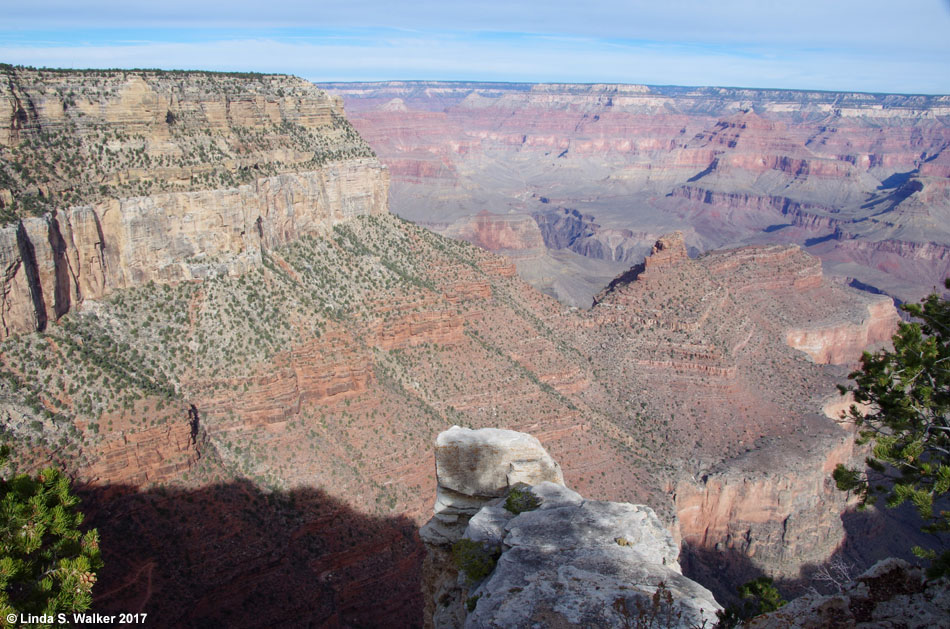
{"points": [[318, 82]]}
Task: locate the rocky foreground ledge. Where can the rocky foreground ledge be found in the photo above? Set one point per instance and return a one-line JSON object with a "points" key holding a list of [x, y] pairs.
{"points": [[511, 546]]}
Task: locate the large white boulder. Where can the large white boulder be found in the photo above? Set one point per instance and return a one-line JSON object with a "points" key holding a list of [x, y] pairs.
{"points": [[474, 467], [486, 462]]}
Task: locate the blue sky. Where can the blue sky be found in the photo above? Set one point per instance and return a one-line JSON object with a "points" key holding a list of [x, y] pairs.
{"points": [[868, 45]]}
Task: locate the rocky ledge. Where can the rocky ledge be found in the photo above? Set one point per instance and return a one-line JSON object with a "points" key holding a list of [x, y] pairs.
{"points": [[511, 546], [891, 593]]}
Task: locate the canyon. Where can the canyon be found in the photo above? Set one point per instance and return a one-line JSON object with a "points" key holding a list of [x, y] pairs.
{"points": [[859, 180], [244, 359]]}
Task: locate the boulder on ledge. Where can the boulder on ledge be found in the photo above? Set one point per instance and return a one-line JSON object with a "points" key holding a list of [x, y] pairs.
{"points": [[475, 466], [511, 546]]}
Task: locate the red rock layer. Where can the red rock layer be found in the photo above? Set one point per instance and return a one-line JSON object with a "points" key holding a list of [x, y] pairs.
{"points": [[155, 454], [514, 235], [668, 251], [843, 343], [319, 371], [788, 514], [724, 164]]}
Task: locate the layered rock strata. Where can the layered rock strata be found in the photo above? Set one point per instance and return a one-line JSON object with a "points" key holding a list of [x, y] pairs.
{"points": [[763, 500], [165, 177], [514, 235], [843, 342], [556, 558], [859, 179], [337, 359], [770, 510], [54, 262]]}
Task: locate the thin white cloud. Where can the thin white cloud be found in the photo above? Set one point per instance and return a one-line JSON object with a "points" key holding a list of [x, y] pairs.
{"points": [[919, 23], [871, 45], [519, 59]]}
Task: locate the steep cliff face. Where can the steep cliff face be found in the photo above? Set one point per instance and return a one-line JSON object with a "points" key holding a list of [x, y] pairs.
{"points": [[514, 235], [164, 177], [773, 509], [118, 133], [842, 343], [87, 252]]}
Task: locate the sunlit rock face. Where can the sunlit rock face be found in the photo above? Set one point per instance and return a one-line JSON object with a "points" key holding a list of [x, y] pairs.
{"points": [[476, 466], [560, 560], [179, 180], [843, 342], [514, 235]]}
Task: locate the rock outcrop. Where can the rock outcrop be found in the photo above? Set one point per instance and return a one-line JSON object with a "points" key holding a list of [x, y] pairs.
{"points": [[537, 552], [890, 594], [474, 467], [57, 261], [843, 342], [668, 251], [514, 235], [772, 510], [564, 228], [189, 181]]}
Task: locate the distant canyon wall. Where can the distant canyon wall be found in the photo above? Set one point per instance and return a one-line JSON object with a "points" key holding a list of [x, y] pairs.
{"points": [[860, 180]]}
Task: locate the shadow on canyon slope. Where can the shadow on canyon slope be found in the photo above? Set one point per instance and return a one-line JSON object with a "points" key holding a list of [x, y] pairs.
{"points": [[230, 555], [721, 571], [870, 536], [879, 533]]}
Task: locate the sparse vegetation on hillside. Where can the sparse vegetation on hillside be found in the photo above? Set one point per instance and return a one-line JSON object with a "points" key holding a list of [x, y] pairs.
{"points": [[66, 149], [337, 361], [139, 358]]}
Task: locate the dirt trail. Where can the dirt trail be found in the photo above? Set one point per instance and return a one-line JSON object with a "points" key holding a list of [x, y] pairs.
{"points": [[147, 567]]}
